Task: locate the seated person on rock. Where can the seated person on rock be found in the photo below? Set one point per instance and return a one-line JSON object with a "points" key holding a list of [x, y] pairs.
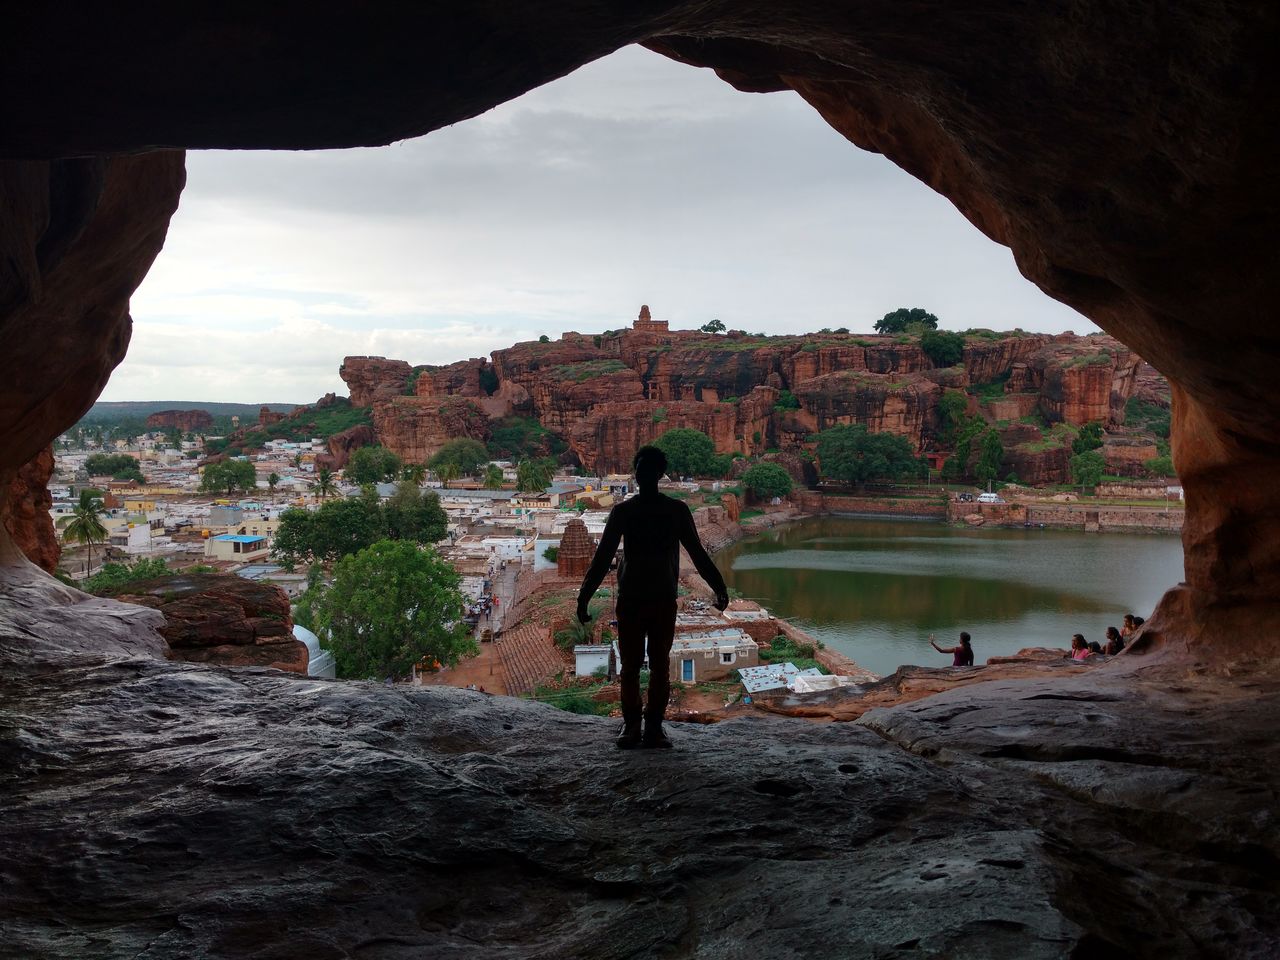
{"points": [[1115, 642], [1079, 648], [651, 527], [962, 655]]}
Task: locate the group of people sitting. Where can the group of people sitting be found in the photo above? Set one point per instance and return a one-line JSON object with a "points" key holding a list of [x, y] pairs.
{"points": [[1117, 640], [1081, 649]]}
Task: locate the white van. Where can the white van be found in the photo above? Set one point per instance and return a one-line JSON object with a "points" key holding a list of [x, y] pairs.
{"points": [[990, 498]]}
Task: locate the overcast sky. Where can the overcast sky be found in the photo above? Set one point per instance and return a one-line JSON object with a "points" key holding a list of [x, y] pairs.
{"points": [[635, 180]]}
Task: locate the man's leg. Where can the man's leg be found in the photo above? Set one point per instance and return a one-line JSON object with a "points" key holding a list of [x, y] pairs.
{"points": [[631, 647], [661, 627]]}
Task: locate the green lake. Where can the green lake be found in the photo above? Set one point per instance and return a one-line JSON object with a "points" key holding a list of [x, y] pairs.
{"points": [[875, 589]]}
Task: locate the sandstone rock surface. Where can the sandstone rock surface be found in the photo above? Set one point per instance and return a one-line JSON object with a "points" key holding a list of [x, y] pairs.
{"points": [[248, 812], [222, 619], [185, 420], [24, 512]]}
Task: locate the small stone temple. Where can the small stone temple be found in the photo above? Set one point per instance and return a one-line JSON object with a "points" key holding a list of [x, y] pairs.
{"points": [[646, 322], [576, 550]]}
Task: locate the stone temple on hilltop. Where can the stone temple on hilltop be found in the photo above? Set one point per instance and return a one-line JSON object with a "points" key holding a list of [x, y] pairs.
{"points": [[576, 550], [646, 322]]}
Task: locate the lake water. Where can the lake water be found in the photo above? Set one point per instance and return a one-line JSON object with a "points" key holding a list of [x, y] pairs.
{"points": [[875, 589]]}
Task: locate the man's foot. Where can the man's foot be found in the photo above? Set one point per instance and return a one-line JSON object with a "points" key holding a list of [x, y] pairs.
{"points": [[629, 736], [654, 738]]}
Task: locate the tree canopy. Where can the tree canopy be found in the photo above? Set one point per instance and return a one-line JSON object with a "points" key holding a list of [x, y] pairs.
{"points": [[343, 527], [852, 454], [462, 453], [897, 321], [944, 348], [990, 456], [392, 605], [117, 466], [493, 477], [1089, 438], [691, 453], [1087, 468], [767, 480], [534, 476], [372, 465], [85, 526], [228, 476], [713, 326], [951, 413]]}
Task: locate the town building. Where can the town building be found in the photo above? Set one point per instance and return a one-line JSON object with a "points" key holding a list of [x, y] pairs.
{"points": [[236, 547]]}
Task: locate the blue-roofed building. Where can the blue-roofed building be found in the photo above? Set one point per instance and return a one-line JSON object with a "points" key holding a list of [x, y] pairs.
{"points": [[237, 546]]}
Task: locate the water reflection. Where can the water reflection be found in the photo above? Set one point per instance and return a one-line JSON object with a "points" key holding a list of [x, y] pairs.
{"points": [[875, 589]]}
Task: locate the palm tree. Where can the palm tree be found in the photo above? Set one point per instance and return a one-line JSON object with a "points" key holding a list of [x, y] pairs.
{"points": [[324, 485], [414, 472], [84, 526], [493, 477], [272, 480], [448, 471]]}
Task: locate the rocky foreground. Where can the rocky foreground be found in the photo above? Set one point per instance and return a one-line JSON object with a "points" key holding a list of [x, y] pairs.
{"points": [[160, 809]]}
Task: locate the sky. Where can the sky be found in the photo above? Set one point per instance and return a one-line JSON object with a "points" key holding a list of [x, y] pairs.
{"points": [[634, 180]]}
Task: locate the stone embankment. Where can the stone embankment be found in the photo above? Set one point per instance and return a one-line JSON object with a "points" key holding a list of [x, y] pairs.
{"points": [[1089, 517]]}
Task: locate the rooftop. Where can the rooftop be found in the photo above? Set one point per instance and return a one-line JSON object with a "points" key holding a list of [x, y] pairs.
{"points": [[239, 538]]}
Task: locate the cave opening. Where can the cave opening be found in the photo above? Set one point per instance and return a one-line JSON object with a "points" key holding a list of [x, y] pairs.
{"points": [[1123, 154]]}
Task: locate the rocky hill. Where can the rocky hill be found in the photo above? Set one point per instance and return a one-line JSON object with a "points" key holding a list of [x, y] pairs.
{"points": [[606, 394]]}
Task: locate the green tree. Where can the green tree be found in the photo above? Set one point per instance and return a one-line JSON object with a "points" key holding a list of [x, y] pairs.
{"points": [[294, 540], [85, 526], [414, 514], [325, 486], [1159, 466], [1089, 438], [690, 453], [544, 339], [851, 454], [533, 476], [273, 481], [944, 348], [392, 605], [415, 473], [117, 466], [713, 326], [897, 321], [372, 465], [1087, 468], [462, 452], [786, 401], [338, 529], [951, 412], [767, 480], [493, 477], [229, 475], [990, 456], [113, 576]]}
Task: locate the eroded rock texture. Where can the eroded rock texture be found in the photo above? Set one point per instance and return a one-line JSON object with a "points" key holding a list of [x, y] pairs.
{"points": [[166, 809], [184, 420], [221, 619], [24, 512]]}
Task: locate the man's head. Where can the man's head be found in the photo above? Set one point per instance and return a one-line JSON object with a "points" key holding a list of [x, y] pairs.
{"points": [[649, 466]]}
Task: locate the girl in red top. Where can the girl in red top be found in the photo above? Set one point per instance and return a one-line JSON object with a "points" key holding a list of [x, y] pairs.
{"points": [[962, 656]]}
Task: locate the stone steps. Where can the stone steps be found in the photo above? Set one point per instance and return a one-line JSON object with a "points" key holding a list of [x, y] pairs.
{"points": [[528, 658]]}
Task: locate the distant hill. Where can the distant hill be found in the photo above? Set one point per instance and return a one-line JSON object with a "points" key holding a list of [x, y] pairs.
{"points": [[141, 409]]}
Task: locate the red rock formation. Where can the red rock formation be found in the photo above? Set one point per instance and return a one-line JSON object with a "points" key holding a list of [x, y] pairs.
{"points": [[576, 552], [266, 417], [986, 361], [886, 403], [606, 440], [414, 428], [187, 421], [371, 379], [1150, 387], [24, 512], [222, 619], [1125, 456], [732, 508], [342, 445]]}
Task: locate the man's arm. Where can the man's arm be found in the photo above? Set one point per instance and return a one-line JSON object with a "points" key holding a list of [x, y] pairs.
{"points": [[698, 554], [609, 541]]}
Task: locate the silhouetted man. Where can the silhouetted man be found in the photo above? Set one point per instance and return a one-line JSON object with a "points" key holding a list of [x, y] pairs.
{"points": [[652, 527]]}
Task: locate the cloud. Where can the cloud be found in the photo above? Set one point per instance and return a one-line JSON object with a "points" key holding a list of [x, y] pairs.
{"points": [[634, 180]]}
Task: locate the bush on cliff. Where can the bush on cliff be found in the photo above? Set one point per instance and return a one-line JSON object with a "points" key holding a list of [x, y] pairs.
{"points": [[945, 349], [1087, 468], [898, 320], [112, 576]]}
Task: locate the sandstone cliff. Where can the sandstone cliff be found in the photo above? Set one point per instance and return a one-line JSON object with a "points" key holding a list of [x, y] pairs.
{"points": [[606, 394], [184, 420]]}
